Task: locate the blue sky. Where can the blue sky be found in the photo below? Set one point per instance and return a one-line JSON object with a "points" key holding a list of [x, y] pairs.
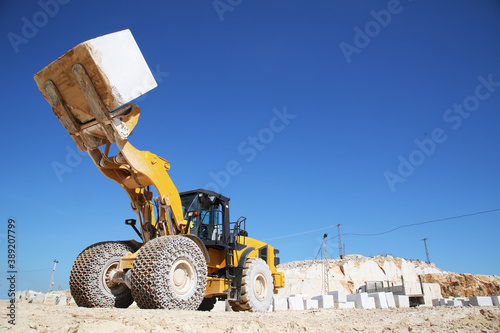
{"points": [[369, 114]]}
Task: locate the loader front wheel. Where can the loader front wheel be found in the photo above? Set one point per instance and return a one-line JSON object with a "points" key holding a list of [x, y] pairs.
{"points": [[169, 272], [90, 278], [256, 287]]}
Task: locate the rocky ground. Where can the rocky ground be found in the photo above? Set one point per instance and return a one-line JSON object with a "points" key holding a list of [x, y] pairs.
{"points": [[47, 318]]}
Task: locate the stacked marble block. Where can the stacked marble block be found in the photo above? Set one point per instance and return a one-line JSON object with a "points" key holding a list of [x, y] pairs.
{"points": [[334, 299], [471, 301], [298, 302], [341, 300]]}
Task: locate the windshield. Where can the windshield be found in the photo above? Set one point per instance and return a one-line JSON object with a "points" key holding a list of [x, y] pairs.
{"points": [[189, 204]]}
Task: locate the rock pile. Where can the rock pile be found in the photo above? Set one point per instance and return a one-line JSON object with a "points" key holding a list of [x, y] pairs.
{"points": [[465, 285], [352, 272]]}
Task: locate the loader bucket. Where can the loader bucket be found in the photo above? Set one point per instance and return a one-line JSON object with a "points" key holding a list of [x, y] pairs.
{"points": [[90, 84]]}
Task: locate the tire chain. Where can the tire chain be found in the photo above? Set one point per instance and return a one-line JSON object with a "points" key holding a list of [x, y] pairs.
{"points": [[150, 271], [86, 272]]}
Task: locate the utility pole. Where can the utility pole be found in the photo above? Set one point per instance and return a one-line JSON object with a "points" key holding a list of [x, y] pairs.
{"points": [[52, 278], [325, 256], [341, 255], [427, 251]]}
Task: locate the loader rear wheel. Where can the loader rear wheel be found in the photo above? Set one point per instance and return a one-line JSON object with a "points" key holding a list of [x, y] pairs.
{"points": [[256, 287], [90, 278], [169, 272]]}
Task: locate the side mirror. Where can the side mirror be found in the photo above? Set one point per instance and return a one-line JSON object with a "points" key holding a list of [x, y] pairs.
{"points": [[243, 233], [192, 214], [130, 222]]}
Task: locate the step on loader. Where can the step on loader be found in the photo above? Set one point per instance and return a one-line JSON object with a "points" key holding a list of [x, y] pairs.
{"points": [[190, 254]]}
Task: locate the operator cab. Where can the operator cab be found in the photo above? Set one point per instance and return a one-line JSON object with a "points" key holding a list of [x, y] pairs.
{"points": [[207, 213]]}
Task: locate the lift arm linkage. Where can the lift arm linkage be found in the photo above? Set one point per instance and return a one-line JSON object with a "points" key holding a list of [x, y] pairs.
{"points": [[133, 169]]}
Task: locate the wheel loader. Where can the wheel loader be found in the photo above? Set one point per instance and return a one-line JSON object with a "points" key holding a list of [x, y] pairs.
{"points": [[190, 253]]}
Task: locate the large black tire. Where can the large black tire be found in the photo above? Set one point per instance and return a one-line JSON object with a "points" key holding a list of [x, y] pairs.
{"points": [[169, 272], [207, 304], [89, 279], [256, 287]]}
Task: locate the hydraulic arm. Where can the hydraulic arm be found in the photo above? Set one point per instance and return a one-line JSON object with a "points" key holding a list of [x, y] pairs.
{"points": [[136, 171]]}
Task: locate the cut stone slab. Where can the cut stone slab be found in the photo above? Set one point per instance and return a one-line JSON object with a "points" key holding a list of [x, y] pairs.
{"points": [[220, 306], [362, 301], [325, 301], [280, 304], [39, 298], [346, 305], [442, 301], [402, 301], [295, 303], [431, 291], [380, 300], [50, 299], [339, 296], [115, 66], [481, 301], [310, 304], [495, 300], [454, 302], [304, 296], [63, 300], [390, 300]]}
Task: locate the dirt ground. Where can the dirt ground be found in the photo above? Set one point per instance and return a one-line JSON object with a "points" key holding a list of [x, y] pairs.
{"points": [[47, 318]]}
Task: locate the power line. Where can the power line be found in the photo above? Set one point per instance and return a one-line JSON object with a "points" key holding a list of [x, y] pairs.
{"points": [[425, 222], [317, 254], [385, 232], [300, 233]]}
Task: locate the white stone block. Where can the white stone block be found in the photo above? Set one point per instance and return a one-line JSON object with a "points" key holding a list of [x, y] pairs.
{"points": [[456, 302], [220, 306], [346, 305], [380, 300], [271, 308], [390, 300], [280, 304], [325, 301], [63, 300], [495, 300], [50, 299], [310, 304], [339, 296], [114, 63], [362, 301], [427, 301], [73, 303], [481, 301], [39, 298], [402, 301], [295, 303]]}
